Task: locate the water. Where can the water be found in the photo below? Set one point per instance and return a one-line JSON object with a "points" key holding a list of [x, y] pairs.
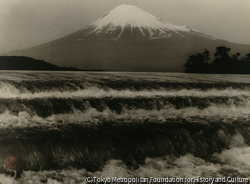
{"points": [[65, 126]]}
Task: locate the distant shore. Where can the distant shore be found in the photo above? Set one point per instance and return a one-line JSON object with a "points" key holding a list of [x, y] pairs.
{"points": [[27, 63]]}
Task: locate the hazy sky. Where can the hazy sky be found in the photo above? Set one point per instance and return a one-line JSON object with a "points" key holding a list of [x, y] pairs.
{"points": [[25, 23]]}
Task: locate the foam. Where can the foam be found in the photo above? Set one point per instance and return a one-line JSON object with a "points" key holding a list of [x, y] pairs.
{"points": [[6, 179], [214, 112], [228, 162], [8, 91]]}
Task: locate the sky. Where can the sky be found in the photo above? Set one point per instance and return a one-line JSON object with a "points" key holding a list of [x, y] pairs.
{"points": [[26, 23]]}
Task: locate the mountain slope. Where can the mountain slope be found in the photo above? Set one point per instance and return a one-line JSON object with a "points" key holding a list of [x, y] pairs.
{"points": [[128, 39]]}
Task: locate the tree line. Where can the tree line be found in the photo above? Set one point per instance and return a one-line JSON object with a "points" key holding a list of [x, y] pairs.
{"points": [[28, 63], [222, 63]]}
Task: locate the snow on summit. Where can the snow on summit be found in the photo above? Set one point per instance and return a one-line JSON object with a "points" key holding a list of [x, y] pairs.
{"points": [[131, 17], [124, 15]]}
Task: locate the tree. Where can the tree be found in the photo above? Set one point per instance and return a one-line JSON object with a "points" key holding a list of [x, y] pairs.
{"points": [[235, 56], [223, 63], [221, 52], [206, 55], [239, 65], [246, 63], [198, 63], [247, 57]]}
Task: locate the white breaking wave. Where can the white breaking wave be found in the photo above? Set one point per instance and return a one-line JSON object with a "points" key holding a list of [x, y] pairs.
{"points": [[8, 92], [92, 116], [233, 161]]}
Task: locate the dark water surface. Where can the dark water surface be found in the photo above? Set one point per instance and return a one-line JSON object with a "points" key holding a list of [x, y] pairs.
{"points": [[65, 126]]}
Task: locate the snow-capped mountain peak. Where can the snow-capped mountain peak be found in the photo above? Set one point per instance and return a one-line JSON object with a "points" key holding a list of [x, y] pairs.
{"points": [[129, 17], [124, 15]]}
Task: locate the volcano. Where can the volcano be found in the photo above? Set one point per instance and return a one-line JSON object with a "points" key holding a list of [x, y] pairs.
{"points": [[128, 21], [128, 39]]}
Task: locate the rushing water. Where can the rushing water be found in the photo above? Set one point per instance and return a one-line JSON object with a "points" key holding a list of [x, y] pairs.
{"points": [[65, 126]]}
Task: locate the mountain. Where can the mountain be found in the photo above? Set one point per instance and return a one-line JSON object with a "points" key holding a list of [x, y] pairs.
{"points": [[128, 39], [26, 63], [126, 21]]}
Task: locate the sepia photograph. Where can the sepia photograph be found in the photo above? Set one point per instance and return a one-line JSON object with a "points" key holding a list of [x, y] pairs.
{"points": [[124, 91]]}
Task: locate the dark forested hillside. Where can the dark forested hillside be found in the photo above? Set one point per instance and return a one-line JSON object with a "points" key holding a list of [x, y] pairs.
{"points": [[27, 63]]}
